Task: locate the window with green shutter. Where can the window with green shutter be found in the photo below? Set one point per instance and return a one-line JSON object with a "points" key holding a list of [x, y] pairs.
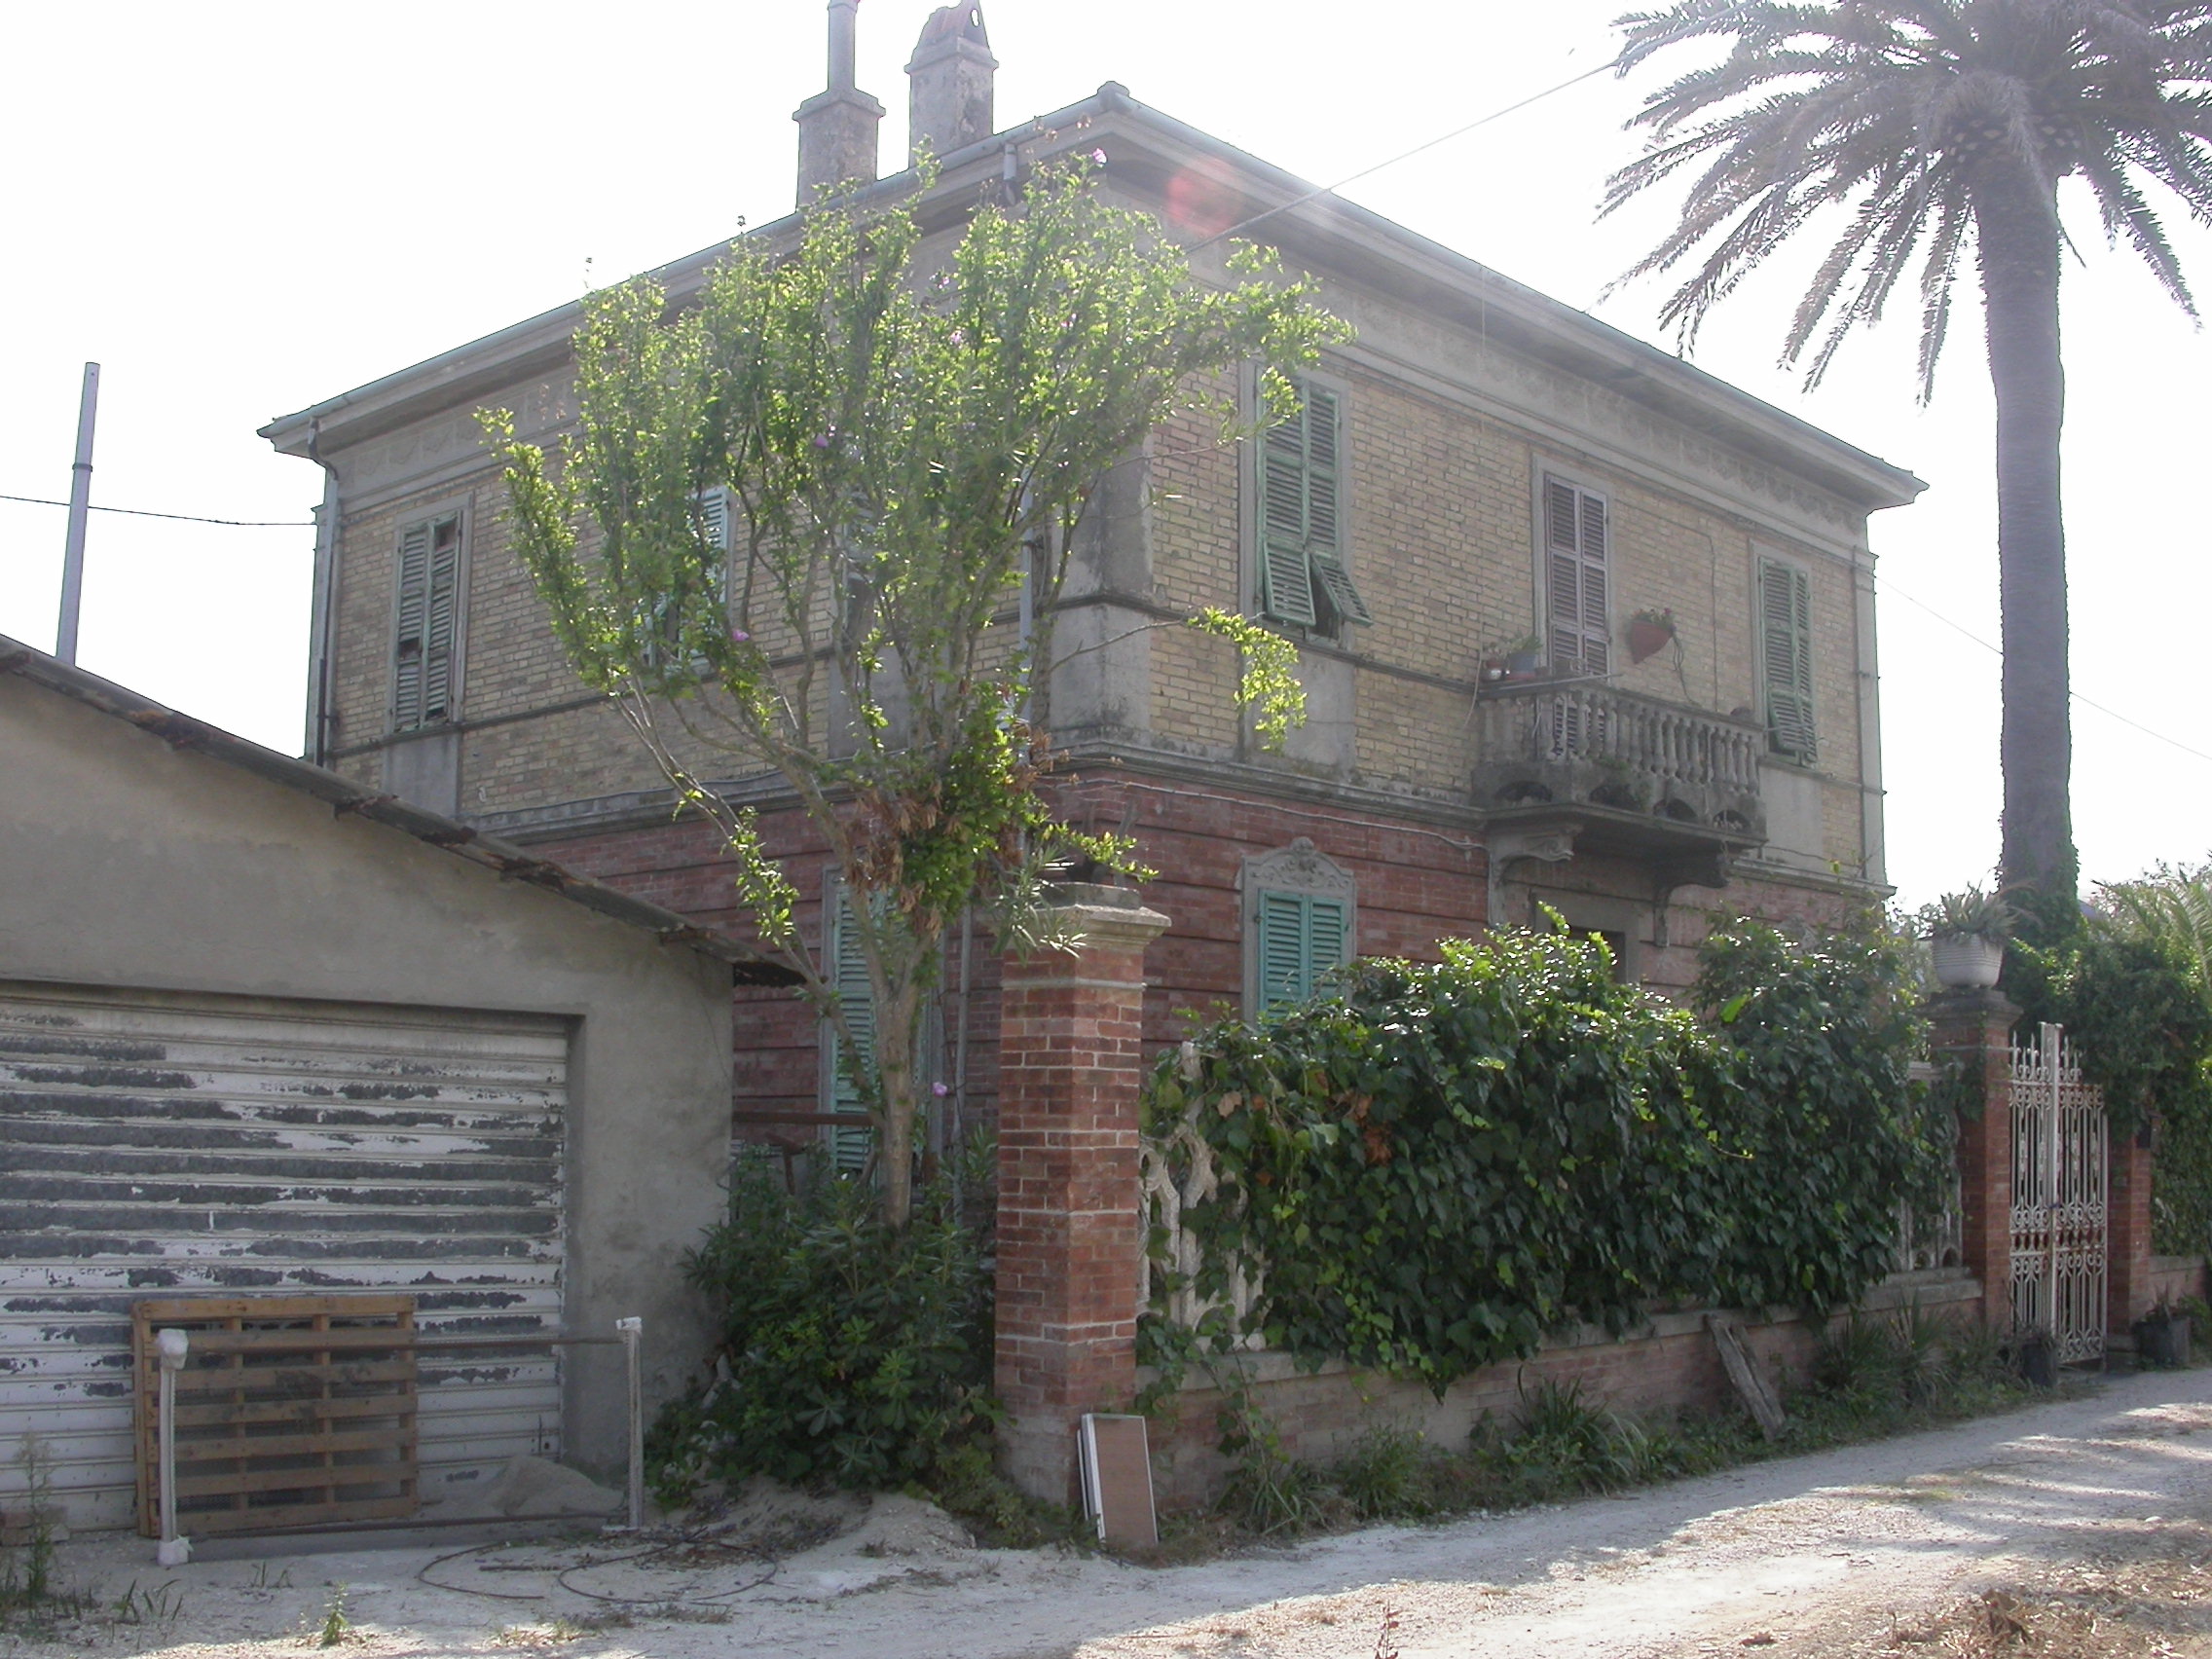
{"points": [[1785, 659], [1302, 935], [423, 689], [1304, 577], [856, 998]]}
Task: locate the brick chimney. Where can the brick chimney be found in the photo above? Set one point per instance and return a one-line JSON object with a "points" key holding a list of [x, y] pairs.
{"points": [[838, 127], [949, 83]]}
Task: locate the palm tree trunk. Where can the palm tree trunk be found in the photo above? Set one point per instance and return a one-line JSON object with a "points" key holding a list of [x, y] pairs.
{"points": [[2016, 228]]}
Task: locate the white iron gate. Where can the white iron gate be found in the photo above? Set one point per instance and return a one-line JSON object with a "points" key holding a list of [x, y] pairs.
{"points": [[2058, 1199]]}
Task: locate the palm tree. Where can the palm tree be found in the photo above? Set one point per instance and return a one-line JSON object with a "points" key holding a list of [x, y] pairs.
{"points": [[1939, 127]]}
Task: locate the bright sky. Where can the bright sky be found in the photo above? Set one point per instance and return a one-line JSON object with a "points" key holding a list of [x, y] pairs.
{"points": [[241, 208]]}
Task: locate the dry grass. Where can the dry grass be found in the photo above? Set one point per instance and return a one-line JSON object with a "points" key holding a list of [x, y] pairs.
{"points": [[2149, 1596]]}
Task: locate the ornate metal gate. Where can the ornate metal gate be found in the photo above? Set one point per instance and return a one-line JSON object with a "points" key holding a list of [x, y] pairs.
{"points": [[2058, 1199]]}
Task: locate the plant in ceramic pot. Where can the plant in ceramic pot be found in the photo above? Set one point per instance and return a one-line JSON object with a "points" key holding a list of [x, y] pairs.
{"points": [[1966, 933], [1525, 657], [1649, 632]]}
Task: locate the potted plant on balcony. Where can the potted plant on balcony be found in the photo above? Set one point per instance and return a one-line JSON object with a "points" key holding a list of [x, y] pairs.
{"points": [[1524, 658], [1649, 632], [1965, 935]]}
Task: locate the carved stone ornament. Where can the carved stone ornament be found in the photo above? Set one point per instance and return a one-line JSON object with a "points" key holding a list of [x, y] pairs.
{"points": [[1300, 868]]}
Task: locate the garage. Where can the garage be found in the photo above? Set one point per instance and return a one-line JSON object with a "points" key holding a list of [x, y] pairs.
{"points": [[263, 1033], [158, 1144]]}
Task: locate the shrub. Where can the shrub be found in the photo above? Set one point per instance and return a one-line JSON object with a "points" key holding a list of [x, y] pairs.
{"points": [[850, 1354], [1434, 1164]]}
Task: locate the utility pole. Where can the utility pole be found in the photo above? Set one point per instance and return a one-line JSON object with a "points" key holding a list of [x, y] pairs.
{"points": [[80, 507]]}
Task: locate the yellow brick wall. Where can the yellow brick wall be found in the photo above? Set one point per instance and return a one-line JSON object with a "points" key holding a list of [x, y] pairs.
{"points": [[1442, 544]]}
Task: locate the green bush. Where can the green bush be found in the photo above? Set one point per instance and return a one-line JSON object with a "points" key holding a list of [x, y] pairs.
{"points": [[1438, 1163], [850, 1354]]}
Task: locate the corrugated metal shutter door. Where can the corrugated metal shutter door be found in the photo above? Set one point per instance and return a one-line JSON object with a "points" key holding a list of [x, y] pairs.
{"points": [[160, 1144]]}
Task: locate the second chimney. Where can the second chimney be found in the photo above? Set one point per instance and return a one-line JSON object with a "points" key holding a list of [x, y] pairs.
{"points": [[949, 83], [838, 127]]}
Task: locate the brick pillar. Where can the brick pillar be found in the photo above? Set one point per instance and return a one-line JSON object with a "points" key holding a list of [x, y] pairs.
{"points": [[1070, 1062], [1974, 1030], [2127, 1235]]}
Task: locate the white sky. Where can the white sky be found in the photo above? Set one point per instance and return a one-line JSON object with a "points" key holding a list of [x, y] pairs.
{"points": [[238, 209]]}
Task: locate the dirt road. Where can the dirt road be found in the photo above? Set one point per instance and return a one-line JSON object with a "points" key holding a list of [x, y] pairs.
{"points": [[2089, 1522]]}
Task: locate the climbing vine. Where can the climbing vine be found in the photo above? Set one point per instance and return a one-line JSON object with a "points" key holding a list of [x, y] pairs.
{"points": [[1427, 1168]]}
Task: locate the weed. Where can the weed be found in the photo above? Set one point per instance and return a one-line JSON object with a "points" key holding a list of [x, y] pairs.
{"points": [[1268, 1491], [262, 1580], [967, 1485], [1385, 1474], [30, 1597], [163, 1605], [335, 1624]]}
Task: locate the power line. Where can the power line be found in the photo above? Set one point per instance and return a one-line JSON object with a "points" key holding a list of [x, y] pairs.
{"points": [[1998, 652], [185, 518], [1407, 155]]}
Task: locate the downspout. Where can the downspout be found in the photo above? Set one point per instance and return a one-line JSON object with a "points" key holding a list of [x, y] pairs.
{"points": [[319, 608]]}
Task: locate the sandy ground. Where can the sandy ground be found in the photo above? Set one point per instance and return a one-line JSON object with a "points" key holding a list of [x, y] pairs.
{"points": [[2082, 1526]]}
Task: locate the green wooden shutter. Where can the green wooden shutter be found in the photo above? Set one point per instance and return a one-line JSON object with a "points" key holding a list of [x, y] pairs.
{"points": [[1302, 574], [856, 998], [1286, 580], [414, 578], [1300, 938], [1577, 582], [1282, 948], [442, 612], [1786, 656]]}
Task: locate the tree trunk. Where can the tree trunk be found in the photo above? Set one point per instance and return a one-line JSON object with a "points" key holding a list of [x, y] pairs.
{"points": [[2016, 228], [897, 1041]]}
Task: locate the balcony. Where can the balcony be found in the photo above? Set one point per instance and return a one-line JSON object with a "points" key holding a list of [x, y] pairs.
{"points": [[1616, 772]]}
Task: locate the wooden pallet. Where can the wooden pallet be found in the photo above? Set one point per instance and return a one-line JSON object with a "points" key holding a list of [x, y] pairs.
{"points": [[291, 1411]]}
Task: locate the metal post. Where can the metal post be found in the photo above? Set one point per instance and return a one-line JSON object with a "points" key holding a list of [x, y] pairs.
{"points": [[632, 1329], [80, 504], [172, 1346], [2055, 1136]]}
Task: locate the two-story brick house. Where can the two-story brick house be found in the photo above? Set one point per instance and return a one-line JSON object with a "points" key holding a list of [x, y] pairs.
{"points": [[1485, 492]]}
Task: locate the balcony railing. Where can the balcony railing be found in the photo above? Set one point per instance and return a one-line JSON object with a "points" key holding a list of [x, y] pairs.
{"points": [[1559, 745]]}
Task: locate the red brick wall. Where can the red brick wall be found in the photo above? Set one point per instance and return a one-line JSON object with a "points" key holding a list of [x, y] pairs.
{"points": [[1674, 1368]]}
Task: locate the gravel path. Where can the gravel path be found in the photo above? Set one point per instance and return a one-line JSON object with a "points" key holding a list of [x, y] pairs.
{"points": [[1845, 1552]]}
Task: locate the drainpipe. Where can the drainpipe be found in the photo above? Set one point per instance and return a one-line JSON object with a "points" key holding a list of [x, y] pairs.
{"points": [[319, 713]]}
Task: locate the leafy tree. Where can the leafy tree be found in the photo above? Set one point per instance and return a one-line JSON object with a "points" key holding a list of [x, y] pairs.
{"points": [[900, 439], [1941, 127]]}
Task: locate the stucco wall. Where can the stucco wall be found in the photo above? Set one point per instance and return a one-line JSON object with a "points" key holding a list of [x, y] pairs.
{"points": [[125, 862]]}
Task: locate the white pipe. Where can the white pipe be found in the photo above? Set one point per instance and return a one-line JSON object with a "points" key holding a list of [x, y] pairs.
{"points": [[632, 1329], [80, 507], [173, 1346]]}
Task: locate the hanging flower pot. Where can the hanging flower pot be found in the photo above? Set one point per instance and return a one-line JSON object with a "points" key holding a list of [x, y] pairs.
{"points": [[1649, 632]]}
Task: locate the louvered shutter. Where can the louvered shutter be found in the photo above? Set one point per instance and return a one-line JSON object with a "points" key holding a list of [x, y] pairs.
{"points": [[1302, 575], [1286, 580], [856, 997], [441, 611], [1786, 652], [1302, 936], [1282, 948], [714, 529], [1324, 939], [407, 644], [1577, 582]]}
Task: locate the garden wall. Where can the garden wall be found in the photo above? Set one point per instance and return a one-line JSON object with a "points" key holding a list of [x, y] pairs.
{"points": [[2173, 1277], [1670, 1366]]}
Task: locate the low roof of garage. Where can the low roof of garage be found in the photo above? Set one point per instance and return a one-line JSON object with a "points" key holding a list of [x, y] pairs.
{"points": [[347, 799]]}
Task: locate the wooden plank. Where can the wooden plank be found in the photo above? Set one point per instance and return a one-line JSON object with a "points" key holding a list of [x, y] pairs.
{"points": [[294, 1411], [393, 1436], [1116, 1478], [281, 1517], [346, 1341], [295, 1378], [1751, 1386], [310, 1477], [189, 1310]]}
